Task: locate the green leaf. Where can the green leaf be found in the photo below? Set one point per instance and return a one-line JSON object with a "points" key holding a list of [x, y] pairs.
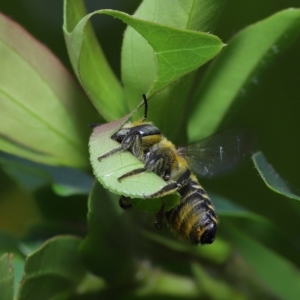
{"points": [[18, 263], [271, 178], [159, 284], [52, 271], [109, 169], [268, 265], [40, 103], [177, 51], [226, 208], [107, 234], [89, 63], [6, 277], [218, 252], [138, 55], [247, 54], [32, 176], [257, 226]]}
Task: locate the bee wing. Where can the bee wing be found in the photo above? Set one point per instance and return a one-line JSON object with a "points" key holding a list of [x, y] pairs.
{"points": [[217, 153]]}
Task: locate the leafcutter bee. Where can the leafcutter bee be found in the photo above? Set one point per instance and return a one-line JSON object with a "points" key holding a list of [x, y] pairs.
{"points": [[194, 219]]}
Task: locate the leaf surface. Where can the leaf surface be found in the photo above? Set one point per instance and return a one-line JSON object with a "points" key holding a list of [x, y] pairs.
{"points": [[6, 277], [89, 62], [43, 112], [247, 54], [53, 270]]}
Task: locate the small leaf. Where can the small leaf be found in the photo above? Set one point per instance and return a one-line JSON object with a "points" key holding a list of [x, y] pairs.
{"points": [[271, 178], [6, 277], [247, 54], [89, 63], [40, 103], [110, 168], [53, 270]]}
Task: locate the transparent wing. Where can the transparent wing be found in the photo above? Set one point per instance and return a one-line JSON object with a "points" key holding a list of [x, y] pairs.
{"points": [[217, 153]]}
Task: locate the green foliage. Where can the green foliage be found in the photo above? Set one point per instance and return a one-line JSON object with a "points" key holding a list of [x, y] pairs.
{"points": [[39, 99], [53, 270], [44, 117], [271, 177], [7, 277], [248, 53]]}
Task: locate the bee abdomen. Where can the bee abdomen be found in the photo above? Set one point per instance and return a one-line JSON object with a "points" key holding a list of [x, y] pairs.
{"points": [[194, 219]]}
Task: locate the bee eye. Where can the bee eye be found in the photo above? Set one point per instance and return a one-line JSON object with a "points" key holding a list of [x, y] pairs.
{"points": [[209, 234]]}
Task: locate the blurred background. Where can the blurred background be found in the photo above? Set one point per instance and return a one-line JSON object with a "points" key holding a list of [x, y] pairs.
{"points": [[270, 107]]}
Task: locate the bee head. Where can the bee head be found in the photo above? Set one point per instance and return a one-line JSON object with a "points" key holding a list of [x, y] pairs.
{"points": [[120, 135]]}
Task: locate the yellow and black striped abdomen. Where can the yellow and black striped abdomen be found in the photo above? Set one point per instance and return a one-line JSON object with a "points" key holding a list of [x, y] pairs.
{"points": [[194, 218]]}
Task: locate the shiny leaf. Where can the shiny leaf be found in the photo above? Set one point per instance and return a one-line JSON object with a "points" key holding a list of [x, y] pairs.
{"points": [[40, 103]]}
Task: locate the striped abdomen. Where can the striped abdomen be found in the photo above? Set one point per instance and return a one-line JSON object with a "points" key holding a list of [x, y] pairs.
{"points": [[194, 218]]}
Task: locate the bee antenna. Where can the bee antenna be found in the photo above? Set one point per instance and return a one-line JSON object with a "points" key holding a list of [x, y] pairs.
{"points": [[146, 107]]}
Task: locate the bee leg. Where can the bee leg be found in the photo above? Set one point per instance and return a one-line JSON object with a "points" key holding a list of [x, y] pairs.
{"points": [[172, 186], [125, 203], [155, 165], [110, 153], [132, 142], [158, 223], [183, 178], [131, 173]]}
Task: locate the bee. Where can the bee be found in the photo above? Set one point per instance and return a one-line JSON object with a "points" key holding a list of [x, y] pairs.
{"points": [[194, 219]]}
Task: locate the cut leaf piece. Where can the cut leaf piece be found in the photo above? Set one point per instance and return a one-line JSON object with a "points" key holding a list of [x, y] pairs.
{"points": [[247, 54], [6, 277], [89, 63], [109, 169], [271, 178], [41, 106], [53, 271]]}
